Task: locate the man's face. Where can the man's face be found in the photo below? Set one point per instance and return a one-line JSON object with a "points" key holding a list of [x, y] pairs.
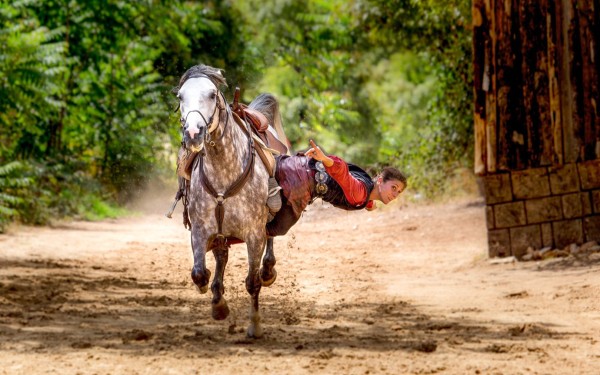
{"points": [[389, 190]]}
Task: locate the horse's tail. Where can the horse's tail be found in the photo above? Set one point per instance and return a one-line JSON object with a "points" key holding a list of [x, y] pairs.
{"points": [[268, 105]]}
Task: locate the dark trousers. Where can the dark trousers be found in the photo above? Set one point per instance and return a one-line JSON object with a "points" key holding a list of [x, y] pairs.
{"points": [[284, 219]]}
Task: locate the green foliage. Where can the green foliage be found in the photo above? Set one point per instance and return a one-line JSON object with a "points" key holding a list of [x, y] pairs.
{"points": [[30, 69], [85, 92], [9, 182], [439, 33], [96, 209], [387, 84], [86, 103]]}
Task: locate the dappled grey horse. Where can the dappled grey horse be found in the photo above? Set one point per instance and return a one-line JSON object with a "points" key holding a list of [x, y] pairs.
{"points": [[228, 190]]}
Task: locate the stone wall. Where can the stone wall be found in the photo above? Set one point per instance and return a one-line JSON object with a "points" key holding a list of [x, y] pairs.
{"points": [[542, 207]]}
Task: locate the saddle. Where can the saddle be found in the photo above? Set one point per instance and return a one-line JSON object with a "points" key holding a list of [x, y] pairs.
{"points": [[260, 124]]}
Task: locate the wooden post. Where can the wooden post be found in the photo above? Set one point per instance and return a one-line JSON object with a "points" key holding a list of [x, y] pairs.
{"points": [[508, 80], [553, 28], [479, 37], [589, 82], [576, 80], [490, 76]]}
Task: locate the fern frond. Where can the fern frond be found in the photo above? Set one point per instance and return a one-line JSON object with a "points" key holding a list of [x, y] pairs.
{"points": [[10, 167]]}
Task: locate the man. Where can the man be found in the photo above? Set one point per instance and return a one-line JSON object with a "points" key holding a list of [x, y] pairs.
{"points": [[344, 185]]}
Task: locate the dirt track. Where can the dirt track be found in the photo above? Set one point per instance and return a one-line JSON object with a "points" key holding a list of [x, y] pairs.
{"points": [[402, 290]]}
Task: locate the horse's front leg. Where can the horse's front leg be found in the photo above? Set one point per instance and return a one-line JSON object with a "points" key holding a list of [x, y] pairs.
{"points": [[220, 310], [268, 275], [200, 274], [253, 284]]}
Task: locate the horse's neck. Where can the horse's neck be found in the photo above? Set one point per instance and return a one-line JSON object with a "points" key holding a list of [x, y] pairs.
{"points": [[226, 159]]}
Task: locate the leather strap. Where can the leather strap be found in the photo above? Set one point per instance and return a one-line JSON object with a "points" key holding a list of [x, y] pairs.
{"points": [[233, 189]]}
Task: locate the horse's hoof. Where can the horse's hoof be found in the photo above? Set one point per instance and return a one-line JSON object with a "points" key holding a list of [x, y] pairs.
{"points": [[255, 332], [270, 281], [202, 289], [220, 310], [200, 279]]}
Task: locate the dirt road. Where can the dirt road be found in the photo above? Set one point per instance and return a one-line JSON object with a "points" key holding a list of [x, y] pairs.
{"points": [[402, 290]]}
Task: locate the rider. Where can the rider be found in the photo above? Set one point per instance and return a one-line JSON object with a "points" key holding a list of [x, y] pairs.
{"points": [[342, 184]]}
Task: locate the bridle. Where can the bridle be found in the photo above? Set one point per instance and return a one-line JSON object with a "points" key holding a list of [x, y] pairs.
{"points": [[210, 124], [237, 185]]}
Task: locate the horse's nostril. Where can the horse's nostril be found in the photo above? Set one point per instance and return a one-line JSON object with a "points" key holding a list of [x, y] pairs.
{"points": [[193, 131]]}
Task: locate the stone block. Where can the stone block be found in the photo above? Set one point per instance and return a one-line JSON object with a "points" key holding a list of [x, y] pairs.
{"points": [[547, 237], [543, 210], [591, 227], [530, 183], [497, 188], [498, 243], [567, 232], [589, 174], [489, 217], [596, 201], [586, 203], [571, 205], [564, 179], [508, 215], [523, 237]]}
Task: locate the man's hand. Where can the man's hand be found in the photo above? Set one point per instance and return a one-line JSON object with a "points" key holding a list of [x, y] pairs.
{"points": [[316, 153]]}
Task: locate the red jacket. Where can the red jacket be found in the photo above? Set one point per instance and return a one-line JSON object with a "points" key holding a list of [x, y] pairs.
{"points": [[354, 190]]}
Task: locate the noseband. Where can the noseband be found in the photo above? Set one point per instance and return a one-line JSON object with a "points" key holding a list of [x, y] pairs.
{"points": [[209, 124]]}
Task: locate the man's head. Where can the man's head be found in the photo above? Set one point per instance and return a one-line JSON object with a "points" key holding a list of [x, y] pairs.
{"points": [[389, 184]]}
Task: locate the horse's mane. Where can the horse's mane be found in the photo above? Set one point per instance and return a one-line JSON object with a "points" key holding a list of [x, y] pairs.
{"points": [[201, 70]]}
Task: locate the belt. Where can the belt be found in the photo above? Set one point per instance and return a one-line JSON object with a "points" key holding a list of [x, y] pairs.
{"points": [[321, 178]]}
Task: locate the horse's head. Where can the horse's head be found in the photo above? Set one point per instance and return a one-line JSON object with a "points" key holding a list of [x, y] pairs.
{"points": [[200, 105]]}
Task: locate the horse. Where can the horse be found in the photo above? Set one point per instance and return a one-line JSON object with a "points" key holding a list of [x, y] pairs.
{"points": [[228, 190]]}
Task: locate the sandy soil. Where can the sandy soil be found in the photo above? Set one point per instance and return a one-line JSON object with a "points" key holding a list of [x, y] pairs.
{"points": [[402, 290]]}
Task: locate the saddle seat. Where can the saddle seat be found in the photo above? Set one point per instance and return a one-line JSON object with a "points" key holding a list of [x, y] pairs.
{"points": [[260, 127]]}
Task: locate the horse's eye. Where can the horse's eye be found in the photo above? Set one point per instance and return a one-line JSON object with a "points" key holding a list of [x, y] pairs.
{"points": [[213, 95]]}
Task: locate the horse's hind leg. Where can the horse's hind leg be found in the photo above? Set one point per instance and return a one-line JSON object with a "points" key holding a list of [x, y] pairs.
{"points": [[268, 275], [220, 310], [253, 285], [200, 274]]}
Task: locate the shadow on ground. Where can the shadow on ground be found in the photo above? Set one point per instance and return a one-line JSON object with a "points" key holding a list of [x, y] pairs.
{"points": [[57, 306]]}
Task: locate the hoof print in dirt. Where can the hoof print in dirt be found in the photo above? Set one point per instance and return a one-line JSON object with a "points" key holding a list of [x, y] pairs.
{"points": [[425, 346], [137, 335], [81, 345]]}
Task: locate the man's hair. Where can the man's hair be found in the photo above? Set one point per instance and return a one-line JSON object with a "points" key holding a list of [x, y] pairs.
{"points": [[391, 173]]}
